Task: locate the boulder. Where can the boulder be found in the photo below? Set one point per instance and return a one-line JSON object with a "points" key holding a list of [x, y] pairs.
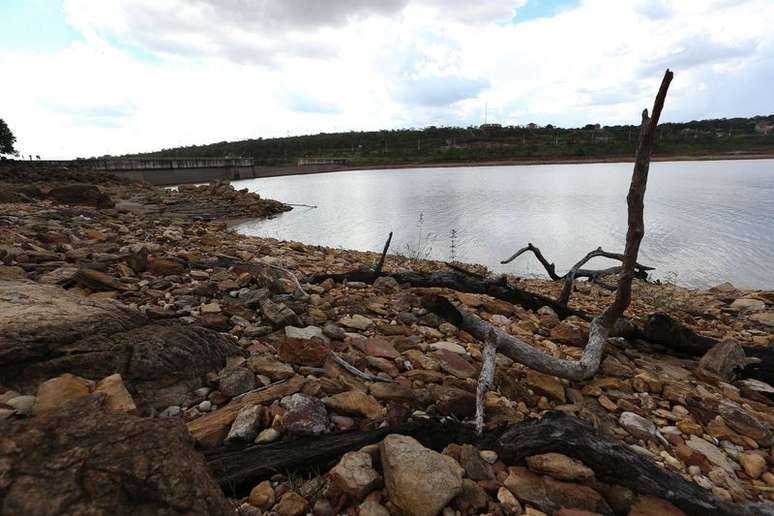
{"points": [[81, 194], [46, 331], [106, 463], [419, 481]]}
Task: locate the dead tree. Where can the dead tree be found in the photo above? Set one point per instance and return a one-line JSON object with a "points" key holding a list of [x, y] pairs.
{"points": [[603, 324]]}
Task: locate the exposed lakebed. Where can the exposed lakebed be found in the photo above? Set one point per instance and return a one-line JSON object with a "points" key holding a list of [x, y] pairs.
{"points": [[706, 221]]}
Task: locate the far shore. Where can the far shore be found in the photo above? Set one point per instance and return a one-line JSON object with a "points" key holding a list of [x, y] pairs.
{"points": [[277, 171]]}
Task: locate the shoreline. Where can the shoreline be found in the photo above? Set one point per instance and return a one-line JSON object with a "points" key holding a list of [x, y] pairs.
{"points": [[286, 170]]}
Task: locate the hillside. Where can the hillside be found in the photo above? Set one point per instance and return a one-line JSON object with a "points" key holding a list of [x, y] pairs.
{"points": [[494, 142]]}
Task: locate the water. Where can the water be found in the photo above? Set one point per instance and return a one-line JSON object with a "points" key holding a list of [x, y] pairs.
{"points": [[706, 222]]}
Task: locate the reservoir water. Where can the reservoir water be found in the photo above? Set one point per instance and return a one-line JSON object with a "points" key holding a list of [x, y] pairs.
{"points": [[706, 222]]}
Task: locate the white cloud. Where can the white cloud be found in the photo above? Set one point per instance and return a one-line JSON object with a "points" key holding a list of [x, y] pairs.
{"points": [[160, 73]]}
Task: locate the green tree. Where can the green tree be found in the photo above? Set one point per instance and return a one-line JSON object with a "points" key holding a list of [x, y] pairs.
{"points": [[7, 139]]}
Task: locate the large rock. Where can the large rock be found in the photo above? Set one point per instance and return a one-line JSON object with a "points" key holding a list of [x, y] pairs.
{"points": [[549, 494], [84, 459], [419, 481], [81, 194], [46, 331]]}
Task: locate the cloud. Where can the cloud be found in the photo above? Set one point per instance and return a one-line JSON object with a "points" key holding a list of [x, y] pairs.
{"points": [[147, 74], [439, 90]]}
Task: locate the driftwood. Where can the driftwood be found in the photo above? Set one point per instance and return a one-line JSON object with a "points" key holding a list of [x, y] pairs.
{"points": [[499, 288], [614, 462], [641, 271], [669, 333], [237, 470]]}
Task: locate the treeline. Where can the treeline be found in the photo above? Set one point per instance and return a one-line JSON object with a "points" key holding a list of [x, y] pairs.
{"points": [[495, 142]]}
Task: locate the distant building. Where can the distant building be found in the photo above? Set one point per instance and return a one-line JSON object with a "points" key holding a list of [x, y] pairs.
{"points": [[307, 162], [532, 125], [490, 127]]}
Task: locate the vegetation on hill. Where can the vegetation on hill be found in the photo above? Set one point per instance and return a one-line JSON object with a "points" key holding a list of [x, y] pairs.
{"points": [[495, 142], [7, 139]]}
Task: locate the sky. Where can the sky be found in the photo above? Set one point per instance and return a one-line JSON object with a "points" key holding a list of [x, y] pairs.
{"points": [[82, 78]]}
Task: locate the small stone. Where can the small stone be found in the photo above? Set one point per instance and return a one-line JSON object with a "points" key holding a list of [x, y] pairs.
{"points": [[488, 456], [210, 308], [234, 381], [754, 465], [166, 267], [651, 506], [267, 436], [204, 406], [309, 332], [714, 454], [354, 475], [118, 398], [372, 508], [449, 346], [357, 322], [641, 428], [262, 495], [55, 392], [291, 504], [505, 497], [22, 404], [546, 385], [171, 411], [306, 415], [567, 333], [303, 351], [334, 331], [244, 429], [356, 403], [386, 283], [559, 466], [269, 367], [454, 364], [548, 317]]}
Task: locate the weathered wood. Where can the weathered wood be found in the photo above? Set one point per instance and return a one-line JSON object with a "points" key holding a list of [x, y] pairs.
{"points": [[499, 289], [614, 462], [520, 351], [669, 333], [549, 267], [235, 469], [382, 258], [486, 378]]}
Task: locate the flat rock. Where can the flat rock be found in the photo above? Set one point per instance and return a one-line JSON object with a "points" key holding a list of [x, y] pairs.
{"points": [[267, 366], [559, 466], [308, 352], [419, 481], [99, 453], [356, 403], [454, 364], [714, 454], [748, 305], [357, 322], [306, 415], [545, 385]]}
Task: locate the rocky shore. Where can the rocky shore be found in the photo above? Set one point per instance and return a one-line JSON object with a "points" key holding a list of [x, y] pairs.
{"points": [[140, 339]]}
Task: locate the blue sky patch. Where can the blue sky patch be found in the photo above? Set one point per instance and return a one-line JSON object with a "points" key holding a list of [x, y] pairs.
{"points": [[542, 9]]}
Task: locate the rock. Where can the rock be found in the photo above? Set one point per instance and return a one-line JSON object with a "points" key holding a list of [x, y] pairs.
{"points": [[356, 403], [559, 466], [97, 281], [99, 453], [753, 464], [354, 475], [372, 508], [381, 348], [303, 351], [267, 436], [714, 454], [166, 267], [473, 499], [641, 428], [233, 381], [454, 364], [548, 317], [452, 401], [308, 332], [549, 494], [55, 392], [334, 331], [306, 415], [473, 465], [262, 495], [277, 313], [391, 392], [23, 405], [266, 366], [505, 497], [748, 305], [46, 331], [386, 283], [81, 194], [356, 322], [117, 397], [651, 506], [723, 361], [567, 333], [549, 386], [488, 456], [245, 427], [291, 504], [419, 481], [210, 308], [765, 318], [449, 346]]}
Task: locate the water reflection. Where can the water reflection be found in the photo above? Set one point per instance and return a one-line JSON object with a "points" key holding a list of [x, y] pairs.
{"points": [[706, 222]]}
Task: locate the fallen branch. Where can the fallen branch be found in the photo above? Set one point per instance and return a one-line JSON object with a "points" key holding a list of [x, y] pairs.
{"points": [[549, 267], [486, 378], [380, 265], [614, 462], [357, 372]]}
